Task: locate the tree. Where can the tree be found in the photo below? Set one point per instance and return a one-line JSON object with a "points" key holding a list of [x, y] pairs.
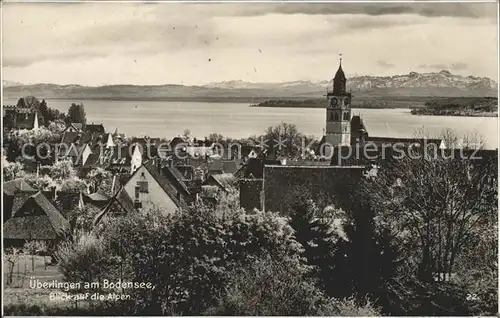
{"points": [[57, 126], [62, 169], [11, 170], [43, 183], [215, 138], [32, 145], [96, 177], [321, 232], [432, 208], [189, 255], [76, 114], [283, 139], [11, 255]]}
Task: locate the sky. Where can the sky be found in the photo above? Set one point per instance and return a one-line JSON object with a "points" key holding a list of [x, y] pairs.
{"points": [[191, 44]]}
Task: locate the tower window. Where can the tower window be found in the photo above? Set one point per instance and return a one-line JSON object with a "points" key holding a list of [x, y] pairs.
{"points": [[346, 116], [335, 116]]}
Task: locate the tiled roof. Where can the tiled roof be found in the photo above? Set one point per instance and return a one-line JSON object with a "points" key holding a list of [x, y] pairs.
{"points": [[215, 165], [94, 128], [70, 137], [46, 223], [96, 196], [254, 168], [405, 141], [78, 126], [171, 182], [121, 202], [230, 166]]}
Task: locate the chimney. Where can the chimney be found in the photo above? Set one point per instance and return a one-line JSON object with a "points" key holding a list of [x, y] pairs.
{"points": [[137, 201]]}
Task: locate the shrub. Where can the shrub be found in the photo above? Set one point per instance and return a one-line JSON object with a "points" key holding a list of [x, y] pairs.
{"points": [[270, 287], [86, 258]]}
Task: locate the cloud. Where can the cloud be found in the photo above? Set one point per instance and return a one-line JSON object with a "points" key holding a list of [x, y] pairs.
{"points": [[453, 66], [469, 10], [23, 61], [385, 64]]}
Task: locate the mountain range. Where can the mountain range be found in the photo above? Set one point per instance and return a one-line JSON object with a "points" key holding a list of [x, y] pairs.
{"points": [[442, 83]]}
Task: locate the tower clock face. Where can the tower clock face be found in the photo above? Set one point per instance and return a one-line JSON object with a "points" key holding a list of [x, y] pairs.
{"points": [[334, 102]]}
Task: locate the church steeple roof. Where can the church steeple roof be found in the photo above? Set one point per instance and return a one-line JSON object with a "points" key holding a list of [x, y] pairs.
{"points": [[339, 81], [340, 73]]}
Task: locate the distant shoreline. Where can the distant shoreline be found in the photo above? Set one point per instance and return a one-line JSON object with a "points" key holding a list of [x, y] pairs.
{"points": [[424, 112], [460, 107]]}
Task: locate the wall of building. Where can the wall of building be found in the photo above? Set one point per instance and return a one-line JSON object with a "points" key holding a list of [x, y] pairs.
{"points": [[156, 196], [251, 194], [284, 185]]}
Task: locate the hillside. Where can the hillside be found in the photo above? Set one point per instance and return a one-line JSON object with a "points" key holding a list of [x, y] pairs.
{"points": [[464, 106], [413, 84]]}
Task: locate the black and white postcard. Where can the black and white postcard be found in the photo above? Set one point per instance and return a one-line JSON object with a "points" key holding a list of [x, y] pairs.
{"points": [[249, 158]]}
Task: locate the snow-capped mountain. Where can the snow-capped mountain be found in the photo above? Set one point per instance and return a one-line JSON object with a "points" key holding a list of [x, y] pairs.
{"points": [[413, 84], [443, 79]]}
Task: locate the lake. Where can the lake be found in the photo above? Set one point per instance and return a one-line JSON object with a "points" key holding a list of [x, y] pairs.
{"points": [[237, 120]]}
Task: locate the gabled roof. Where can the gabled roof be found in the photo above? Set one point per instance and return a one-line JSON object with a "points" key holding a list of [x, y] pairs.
{"points": [[254, 168], [121, 155], [10, 187], [170, 180], [96, 196], [357, 123], [404, 141], [215, 166], [45, 223], [121, 202], [70, 137], [94, 128], [78, 126], [230, 166]]}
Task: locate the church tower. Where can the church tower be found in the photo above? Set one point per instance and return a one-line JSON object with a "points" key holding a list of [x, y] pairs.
{"points": [[338, 112]]}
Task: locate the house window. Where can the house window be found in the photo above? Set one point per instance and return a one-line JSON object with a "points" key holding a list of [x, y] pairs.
{"points": [[143, 184]]}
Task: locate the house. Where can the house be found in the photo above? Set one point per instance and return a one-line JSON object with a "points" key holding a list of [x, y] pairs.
{"points": [[178, 141], [152, 186], [23, 115], [254, 168], [224, 182], [14, 192], [280, 186], [120, 204], [96, 199], [124, 158], [94, 128], [148, 147], [241, 152], [74, 127], [36, 219], [64, 201], [324, 184]]}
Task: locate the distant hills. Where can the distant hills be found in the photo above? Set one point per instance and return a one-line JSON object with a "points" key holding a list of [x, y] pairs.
{"points": [[441, 83]]}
